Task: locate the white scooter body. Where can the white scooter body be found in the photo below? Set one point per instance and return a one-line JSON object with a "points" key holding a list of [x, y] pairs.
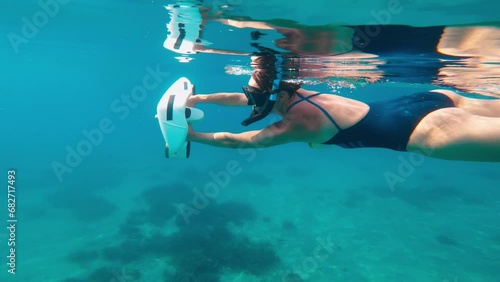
{"points": [[174, 117]]}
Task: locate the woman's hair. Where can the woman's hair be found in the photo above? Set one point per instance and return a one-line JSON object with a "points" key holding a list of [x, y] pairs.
{"points": [[265, 72]]}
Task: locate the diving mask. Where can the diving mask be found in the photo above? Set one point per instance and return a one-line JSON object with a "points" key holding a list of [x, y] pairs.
{"points": [[262, 103]]}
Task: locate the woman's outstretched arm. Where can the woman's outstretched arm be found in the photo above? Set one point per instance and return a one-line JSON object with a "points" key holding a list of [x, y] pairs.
{"points": [[222, 98], [277, 133]]}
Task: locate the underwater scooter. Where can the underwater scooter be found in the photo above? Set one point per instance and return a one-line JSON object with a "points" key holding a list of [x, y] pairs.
{"points": [[174, 118]]}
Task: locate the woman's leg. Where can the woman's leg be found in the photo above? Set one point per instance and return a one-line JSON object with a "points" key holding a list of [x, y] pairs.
{"points": [[480, 107], [455, 134]]}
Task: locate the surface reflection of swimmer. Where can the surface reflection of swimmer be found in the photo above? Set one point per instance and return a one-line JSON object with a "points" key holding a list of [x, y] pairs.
{"points": [[334, 40], [437, 123], [356, 52]]}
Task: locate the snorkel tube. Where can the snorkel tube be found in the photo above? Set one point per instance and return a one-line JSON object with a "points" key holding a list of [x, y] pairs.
{"points": [[263, 101]]}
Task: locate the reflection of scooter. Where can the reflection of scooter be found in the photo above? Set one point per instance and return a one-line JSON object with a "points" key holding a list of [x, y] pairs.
{"points": [[184, 29], [174, 117]]}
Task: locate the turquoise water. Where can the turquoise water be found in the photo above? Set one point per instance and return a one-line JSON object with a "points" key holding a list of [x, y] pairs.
{"points": [[96, 200]]}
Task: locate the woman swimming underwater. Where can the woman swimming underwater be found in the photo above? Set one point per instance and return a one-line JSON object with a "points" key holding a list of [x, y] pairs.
{"points": [[437, 123]]}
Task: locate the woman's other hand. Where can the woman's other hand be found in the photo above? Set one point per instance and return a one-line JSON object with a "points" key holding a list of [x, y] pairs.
{"points": [[191, 133]]}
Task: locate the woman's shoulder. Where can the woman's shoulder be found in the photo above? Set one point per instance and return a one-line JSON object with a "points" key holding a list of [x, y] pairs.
{"points": [[322, 95], [305, 92]]}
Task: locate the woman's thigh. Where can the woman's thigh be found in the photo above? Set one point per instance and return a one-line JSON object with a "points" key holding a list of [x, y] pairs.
{"points": [[455, 134]]}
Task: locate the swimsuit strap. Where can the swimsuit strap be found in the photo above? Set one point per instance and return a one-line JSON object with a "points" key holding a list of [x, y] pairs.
{"points": [[302, 98]]}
